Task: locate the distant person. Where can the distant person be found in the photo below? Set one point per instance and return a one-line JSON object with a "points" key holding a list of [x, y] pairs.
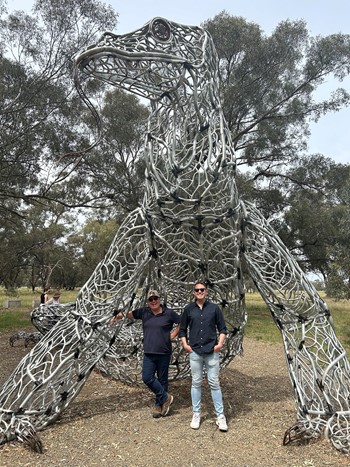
{"points": [[44, 296], [205, 323], [55, 300], [157, 324]]}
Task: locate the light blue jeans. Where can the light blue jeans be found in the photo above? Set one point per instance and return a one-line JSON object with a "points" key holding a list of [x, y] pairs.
{"points": [[211, 363]]}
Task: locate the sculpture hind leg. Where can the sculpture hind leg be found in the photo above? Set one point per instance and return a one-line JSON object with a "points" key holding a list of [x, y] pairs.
{"points": [[317, 362], [54, 371]]}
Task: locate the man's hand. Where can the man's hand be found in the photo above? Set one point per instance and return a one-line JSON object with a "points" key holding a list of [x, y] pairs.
{"points": [[220, 344], [187, 347], [115, 318], [217, 347]]}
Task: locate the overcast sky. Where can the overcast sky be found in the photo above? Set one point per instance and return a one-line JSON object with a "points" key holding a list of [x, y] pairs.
{"points": [[331, 135]]}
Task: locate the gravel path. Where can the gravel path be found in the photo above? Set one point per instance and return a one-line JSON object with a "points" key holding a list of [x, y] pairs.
{"points": [[109, 424]]}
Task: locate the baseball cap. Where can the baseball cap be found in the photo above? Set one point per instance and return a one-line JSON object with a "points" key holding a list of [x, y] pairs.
{"points": [[152, 293]]}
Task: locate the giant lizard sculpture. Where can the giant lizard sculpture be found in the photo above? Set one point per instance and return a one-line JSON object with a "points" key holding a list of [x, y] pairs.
{"points": [[192, 224]]}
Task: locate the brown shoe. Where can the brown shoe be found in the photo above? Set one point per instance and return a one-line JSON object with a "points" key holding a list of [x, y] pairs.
{"points": [[166, 405], [157, 411]]}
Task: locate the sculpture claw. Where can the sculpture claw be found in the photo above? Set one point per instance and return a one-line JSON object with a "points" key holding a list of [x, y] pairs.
{"points": [[27, 434], [298, 434]]}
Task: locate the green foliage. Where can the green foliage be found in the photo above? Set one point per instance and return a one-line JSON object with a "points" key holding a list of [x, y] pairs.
{"points": [[117, 177], [269, 84], [338, 286], [40, 118], [90, 245], [318, 219], [32, 249]]}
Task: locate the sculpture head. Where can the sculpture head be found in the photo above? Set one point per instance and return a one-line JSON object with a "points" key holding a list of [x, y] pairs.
{"points": [[175, 66], [153, 61]]}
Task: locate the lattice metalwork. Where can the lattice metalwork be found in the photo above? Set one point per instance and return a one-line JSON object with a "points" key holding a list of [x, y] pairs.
{"points": [[191, 225]]}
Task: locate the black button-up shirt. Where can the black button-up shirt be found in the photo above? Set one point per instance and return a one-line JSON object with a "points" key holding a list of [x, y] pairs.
{"points": [[203, 324]]}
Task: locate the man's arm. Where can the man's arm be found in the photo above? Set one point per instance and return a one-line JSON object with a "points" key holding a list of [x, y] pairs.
{"points": [[120, 315], [219, 345], [222, 330], [186, 347], [175, 332], [183, 324], [183, 331]]}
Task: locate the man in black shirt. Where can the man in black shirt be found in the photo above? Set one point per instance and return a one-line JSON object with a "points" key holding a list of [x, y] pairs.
{"points": [[204, 320], [157, 323]]}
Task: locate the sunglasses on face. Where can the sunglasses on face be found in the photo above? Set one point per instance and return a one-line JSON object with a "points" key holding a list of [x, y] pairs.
{"points": [[199, 290], [153, 299]]}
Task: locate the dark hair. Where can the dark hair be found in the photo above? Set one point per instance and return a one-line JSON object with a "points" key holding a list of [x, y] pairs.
{"points": [[200, 282]]}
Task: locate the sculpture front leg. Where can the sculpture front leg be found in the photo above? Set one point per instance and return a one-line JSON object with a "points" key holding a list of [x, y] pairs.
{"points": [[53, 373], [317, 362]]}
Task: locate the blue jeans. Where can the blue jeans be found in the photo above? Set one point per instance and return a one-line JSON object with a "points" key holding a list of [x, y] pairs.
{"points": [[211, 363], [155, 369]]}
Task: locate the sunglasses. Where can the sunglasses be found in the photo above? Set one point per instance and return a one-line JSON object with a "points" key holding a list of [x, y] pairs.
{"points": [[153, 299], [199, 290]]}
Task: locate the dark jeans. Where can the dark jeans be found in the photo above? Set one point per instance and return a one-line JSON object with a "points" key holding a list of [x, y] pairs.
{"points": [[155, 370]]}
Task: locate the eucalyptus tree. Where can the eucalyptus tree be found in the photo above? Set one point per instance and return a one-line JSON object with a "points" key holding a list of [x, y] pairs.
{"points": [[12, 250], [317, 220], [40, 112], [29, 245], [269, 88], [89, 245], [114, 170], [269, 85]]}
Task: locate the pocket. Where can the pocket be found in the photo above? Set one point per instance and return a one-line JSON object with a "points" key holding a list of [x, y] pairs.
{"points": [[214, 359], [194, 356]]}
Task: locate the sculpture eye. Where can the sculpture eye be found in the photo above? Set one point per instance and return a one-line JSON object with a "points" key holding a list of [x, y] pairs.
{"points": [[161, 30]]}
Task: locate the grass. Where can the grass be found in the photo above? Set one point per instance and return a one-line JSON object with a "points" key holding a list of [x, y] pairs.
{"points": [[13, 319], [260, 323], [341, 318], [262, 327]]}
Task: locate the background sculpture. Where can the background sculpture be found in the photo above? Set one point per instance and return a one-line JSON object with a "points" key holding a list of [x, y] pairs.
{"points": [[192, 224]]}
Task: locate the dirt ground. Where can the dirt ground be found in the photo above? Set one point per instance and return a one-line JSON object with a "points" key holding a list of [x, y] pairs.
{"points": [[110, 423]]}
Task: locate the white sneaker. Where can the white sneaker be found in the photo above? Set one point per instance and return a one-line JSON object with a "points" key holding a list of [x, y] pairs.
{"points": [[221, 422], [196, 421]]}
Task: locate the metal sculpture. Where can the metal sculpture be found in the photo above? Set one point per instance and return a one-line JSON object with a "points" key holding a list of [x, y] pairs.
{"points": [[28, 337], [192, 224]]}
